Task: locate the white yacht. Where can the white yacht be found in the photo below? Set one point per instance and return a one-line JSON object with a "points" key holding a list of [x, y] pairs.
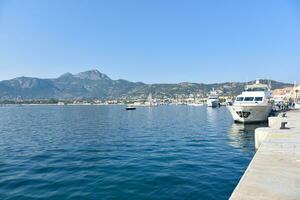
{"points": [[213, 99], [61, 103], [253, 105]]}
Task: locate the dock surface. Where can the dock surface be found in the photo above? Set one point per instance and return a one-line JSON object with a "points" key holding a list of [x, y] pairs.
{"points": [[274, 172]]}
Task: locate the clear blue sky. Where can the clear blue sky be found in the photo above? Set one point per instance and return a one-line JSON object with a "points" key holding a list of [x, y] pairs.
{"points": [[152, 41]]}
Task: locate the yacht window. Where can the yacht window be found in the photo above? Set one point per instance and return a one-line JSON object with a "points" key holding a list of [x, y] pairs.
{"points": [[258, 99], [239, 98], [256, 89], [248, 98]]}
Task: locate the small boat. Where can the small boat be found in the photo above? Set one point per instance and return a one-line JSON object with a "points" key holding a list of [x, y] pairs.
{"points": [[130, 108]]}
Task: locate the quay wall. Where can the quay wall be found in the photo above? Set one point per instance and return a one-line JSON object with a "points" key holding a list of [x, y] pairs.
{"points": [[274, 172]]}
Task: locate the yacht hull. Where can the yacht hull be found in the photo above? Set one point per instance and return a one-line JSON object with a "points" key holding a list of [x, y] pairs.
{"points": [[195, 104], [213, 104], [250, 113]]}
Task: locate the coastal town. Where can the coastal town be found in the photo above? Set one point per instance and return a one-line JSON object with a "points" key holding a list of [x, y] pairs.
{"points": [[280, 96], [150, 100]]}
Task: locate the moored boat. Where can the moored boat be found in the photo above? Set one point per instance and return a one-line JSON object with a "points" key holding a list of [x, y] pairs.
{"points": [[253, 105], [213, 99]]}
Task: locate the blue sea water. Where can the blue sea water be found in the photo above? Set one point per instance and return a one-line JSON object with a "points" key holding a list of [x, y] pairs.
{"points": [[106, 152]]}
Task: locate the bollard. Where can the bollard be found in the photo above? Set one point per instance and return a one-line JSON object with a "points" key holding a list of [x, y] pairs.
{"points": [[283, 125]]}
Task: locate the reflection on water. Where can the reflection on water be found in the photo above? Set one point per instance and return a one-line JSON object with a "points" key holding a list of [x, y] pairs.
{"points": [[213, 115], [242, 135], [106, 152]]}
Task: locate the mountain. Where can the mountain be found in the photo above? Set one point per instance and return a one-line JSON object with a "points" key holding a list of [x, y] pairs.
{"points": [[89, 84], [28, 88], [93, 75], [93, 84]]}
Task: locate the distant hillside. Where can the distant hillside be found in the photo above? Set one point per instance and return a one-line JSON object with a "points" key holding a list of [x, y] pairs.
{"points": [[227, 88], [94, 84]]}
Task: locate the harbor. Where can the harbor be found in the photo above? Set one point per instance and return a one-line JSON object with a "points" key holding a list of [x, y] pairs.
{"points": [[202, 149], [274, 172], [149, 100]]}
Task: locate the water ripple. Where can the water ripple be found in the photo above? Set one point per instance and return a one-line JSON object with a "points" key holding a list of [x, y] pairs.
{"points": [[104, 152]]}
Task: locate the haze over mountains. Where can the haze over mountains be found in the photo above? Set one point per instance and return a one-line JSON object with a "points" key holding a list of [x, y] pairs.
{"points": [[93, 84]]}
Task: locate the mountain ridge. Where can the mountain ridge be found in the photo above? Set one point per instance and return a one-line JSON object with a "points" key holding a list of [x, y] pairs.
{"points": [[93, 84]]}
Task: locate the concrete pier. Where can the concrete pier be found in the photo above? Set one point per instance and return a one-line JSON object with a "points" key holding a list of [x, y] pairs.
{"points": [[274, 172]]}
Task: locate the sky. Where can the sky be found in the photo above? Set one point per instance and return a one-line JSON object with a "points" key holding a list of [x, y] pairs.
{"points": [[153, 41]]}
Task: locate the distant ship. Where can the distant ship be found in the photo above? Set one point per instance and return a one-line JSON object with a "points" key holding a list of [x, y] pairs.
{"points": [[213, 99], [195, 104], [150, 102], [253, 105]]}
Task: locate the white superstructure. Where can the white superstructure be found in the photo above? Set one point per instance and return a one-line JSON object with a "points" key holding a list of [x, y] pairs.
{"points": [[253, 105], [213, 99]]}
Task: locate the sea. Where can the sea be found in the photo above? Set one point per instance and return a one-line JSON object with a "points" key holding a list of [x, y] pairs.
{"points": [[105, 152]]}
